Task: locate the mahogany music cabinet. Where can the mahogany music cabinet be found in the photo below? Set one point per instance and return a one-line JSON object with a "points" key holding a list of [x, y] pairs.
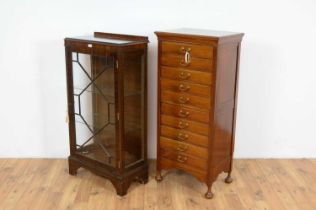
{"points": [[197, 98]]}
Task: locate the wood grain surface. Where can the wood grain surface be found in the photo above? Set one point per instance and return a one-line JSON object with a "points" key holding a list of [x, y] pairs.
{"points": [[258, 184]]}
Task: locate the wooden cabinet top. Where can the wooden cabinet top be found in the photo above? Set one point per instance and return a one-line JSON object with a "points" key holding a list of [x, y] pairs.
{"points": [[106, 43], [110, 39], [201, 34]]}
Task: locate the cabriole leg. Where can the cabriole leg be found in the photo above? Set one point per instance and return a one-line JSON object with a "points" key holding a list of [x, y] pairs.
{"points": [[209, 193], [158, 176], [228, 179]]}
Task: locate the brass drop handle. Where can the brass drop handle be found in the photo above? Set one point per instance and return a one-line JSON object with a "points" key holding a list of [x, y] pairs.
{"points": [[183, 87], [182, 125], [181, 159], [183, 136], [187, 57], [184, 75], [182, 148], [183, 99], [183, 113]]}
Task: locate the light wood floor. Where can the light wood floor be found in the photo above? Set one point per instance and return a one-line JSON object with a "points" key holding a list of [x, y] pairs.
{"points": [[258, 184]]}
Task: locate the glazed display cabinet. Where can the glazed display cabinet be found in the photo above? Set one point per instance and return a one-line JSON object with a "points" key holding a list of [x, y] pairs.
{"points": [[106, 88]]}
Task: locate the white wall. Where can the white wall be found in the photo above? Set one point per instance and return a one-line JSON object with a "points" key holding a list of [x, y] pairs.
{"points": [[277, 94]]}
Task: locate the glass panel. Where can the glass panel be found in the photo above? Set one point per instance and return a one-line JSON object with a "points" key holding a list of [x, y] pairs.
{"points": [[94, 97], [133, 109]]}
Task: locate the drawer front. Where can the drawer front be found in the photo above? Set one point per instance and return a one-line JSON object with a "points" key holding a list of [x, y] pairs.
{"points": [[194, 64], [80, 47], [203, 78], [185, 99], [184, 158], [199, 51], [185, 87], [169, 164], [89, 47], [185, 113], [185, 136], [185, 148], [186, 125]]}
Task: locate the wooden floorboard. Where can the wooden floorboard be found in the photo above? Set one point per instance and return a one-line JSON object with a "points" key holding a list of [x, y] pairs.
{"points": [[258, 184]]}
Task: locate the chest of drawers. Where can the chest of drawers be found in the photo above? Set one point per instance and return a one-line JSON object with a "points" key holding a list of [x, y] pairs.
{"points": [[197, 97]]}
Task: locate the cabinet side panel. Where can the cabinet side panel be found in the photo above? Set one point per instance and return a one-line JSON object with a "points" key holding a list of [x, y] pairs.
{"points": [[222, 141], [70, 99], [158, 166]]}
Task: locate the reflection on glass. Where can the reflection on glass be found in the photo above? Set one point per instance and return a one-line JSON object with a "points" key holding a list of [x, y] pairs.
{"points": [[94, 95], [133, 109]]}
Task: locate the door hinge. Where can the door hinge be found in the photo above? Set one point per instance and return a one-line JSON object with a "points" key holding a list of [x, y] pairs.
{"points": [[116, 64], [118, 116]]}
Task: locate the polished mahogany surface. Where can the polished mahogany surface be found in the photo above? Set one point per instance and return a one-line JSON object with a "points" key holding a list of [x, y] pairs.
{"points": [[197, 94], [107, 106], [201, 32]]}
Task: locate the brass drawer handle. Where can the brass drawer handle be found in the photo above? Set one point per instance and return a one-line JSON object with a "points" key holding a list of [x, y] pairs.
{"points": [[184, 63], [181, 159], [184, 75], [183, 87], [183, 136], [183, 99], [182, 125], [182, 148], [187, 56], [183, 113], [182, 49]]}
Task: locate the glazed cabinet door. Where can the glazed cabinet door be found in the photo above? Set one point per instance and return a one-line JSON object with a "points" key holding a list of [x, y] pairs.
{"points": [[93, 116], [134, 107]]}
